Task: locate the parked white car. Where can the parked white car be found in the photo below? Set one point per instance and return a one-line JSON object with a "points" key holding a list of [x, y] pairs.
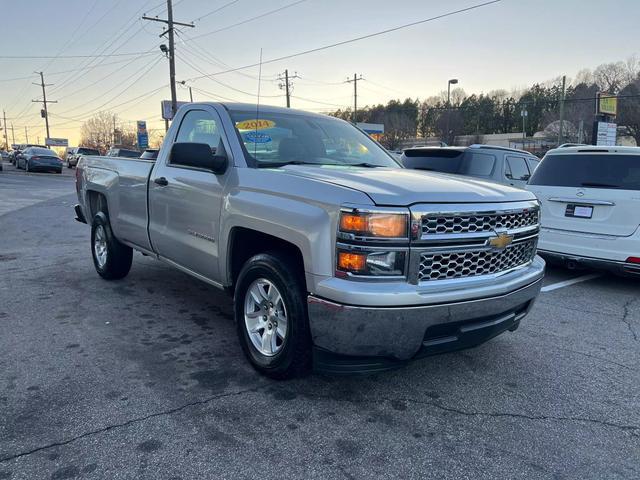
{"points": [[590, 206]]}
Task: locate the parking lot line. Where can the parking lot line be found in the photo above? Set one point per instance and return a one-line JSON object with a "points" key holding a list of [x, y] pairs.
{"points": [[573, 281]]}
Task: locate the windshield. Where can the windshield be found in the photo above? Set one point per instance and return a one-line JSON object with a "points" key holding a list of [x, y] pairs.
{"points": [[450, 161], [589, 171], [277, 139], [88, 151]]}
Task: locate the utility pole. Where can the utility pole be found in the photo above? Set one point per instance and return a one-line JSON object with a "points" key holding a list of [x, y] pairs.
{"points": [[114, 130], [172, 51], [6, 139], [184, 84], [13, 136], [45, 112], [26, 134], [561, 132], [355, 95], [287, 85]]}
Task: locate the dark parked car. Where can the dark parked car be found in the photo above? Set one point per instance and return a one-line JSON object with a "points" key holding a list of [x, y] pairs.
{"points": [[487, 162], [123, 152], [74, 155], [37, 159], [149, 154]]}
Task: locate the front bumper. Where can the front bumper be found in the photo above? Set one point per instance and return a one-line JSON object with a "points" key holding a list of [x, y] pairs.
{"points": [[399, 333]]}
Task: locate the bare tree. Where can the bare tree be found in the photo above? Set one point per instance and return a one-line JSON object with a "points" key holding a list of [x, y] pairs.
{"points": [[611, 77], [97, 132]]}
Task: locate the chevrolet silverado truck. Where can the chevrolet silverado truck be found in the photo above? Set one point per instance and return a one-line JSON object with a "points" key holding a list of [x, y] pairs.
{"points": [[337, 258]]}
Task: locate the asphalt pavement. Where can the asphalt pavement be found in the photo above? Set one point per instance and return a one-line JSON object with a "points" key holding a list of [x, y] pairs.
{"points": [[143, 378]]}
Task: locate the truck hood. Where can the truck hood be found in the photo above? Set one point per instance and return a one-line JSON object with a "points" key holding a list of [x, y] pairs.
{"points": [[403, 187]]}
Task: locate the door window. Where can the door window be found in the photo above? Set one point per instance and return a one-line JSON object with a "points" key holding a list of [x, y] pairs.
{"points": [[199, 126], [517, 169]]}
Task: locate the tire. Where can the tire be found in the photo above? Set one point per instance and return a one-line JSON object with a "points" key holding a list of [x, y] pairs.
{"points": [[111, 258], [292, 357]]}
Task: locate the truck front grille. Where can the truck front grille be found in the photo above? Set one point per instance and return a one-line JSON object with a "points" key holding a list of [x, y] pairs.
{"points": [[437, 224], [471, 263]]}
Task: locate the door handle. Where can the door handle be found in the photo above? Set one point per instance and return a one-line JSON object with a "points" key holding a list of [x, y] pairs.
{"points": [[163, 182]]}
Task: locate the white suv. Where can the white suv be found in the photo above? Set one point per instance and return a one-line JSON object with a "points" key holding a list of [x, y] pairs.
{"points": [[590, 204]]}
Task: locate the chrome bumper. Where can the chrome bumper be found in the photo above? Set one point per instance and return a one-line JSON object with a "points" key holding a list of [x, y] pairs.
{"points": [[400, 333]]}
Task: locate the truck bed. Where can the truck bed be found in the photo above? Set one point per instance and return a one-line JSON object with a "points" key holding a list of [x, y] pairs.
{"points": [[123, 181]]}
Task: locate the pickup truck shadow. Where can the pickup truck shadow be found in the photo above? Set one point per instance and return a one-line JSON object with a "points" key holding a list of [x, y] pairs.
{"points": [[189, 327]]}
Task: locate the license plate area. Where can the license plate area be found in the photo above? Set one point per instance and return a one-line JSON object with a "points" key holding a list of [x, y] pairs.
{"points": [[579, 211]]}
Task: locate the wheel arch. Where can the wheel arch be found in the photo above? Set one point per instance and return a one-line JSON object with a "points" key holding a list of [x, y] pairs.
{"points": [[245, 243]]}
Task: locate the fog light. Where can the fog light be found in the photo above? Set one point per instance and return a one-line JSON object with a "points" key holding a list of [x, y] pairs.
{"points": [[352, 262], [375, 264]]}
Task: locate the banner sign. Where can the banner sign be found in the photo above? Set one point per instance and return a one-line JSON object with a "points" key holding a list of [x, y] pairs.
{"points": [[167, 114], [56, 142], [143, 136]]}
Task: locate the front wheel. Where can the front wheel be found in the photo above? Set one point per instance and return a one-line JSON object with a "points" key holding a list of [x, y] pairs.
{"points": [[271, 316], [111, 258]]}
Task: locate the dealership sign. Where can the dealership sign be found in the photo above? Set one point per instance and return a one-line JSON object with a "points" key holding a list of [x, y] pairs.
{"points": [[607, 104], [56, 142], [606, 134]]}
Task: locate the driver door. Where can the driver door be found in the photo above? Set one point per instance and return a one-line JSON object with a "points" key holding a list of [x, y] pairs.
{"points": [[185, 202]]}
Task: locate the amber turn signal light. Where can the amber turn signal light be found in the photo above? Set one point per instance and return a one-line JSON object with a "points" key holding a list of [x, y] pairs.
{"points": [[387, 225]]}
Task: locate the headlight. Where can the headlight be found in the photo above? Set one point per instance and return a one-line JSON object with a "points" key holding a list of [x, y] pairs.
{"points": [[383, 225], [371, 263]]}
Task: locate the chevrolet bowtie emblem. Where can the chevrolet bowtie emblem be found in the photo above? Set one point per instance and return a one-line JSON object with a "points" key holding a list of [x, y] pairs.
{"points": [[501, 241]]}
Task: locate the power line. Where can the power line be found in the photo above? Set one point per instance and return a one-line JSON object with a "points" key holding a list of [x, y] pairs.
{"points": [[224, 84], [84, 69], [251, 19], [30, 57], [356, 39], [228, 4]]}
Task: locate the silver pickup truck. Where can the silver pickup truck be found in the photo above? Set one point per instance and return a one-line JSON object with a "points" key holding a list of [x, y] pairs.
{"points": [[335, 256]]}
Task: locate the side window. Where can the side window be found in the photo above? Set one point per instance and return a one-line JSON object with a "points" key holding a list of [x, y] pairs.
{"points": [[199, 126], [478, 164], [533, 164], [516, 169]]}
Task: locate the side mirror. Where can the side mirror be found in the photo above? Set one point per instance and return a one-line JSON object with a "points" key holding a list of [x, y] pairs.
{"points": [[199, 155]]}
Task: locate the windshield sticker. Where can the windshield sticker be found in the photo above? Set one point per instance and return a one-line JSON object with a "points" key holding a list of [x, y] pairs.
{"points": [[255, 124], [255, 137]]}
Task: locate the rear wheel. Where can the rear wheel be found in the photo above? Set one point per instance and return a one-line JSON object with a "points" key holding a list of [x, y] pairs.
{"points": [[111, 258], [271, 316]]}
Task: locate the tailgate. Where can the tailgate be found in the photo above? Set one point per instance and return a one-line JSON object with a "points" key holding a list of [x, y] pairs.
{"points": [[590, 210]]}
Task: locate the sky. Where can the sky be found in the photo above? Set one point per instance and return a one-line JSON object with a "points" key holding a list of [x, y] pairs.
{"points": [[506, 45]]}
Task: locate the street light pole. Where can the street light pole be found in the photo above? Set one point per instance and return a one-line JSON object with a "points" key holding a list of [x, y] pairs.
{"points": [[453, 81]]}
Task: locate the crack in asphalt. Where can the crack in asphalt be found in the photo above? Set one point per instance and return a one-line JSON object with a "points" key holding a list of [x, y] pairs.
{"points": [[626, 320], [458, 411], [535, 334], [127, 423]]}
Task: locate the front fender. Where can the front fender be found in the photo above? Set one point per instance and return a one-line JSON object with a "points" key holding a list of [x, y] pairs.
{"points": [[310, 227]]}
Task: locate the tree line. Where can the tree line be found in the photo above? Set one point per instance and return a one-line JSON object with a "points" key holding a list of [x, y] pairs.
{"points": [[501, 111]]}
